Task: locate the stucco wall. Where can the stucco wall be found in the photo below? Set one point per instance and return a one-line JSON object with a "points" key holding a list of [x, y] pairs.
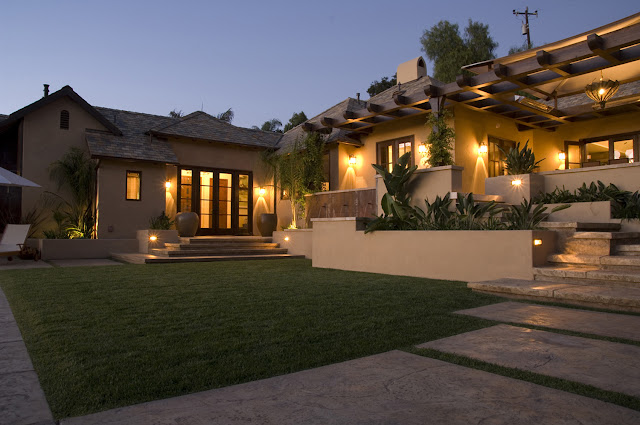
{"points": [[118, 217], [625, 176], [297, 242], [451, 255], [44, 142]]}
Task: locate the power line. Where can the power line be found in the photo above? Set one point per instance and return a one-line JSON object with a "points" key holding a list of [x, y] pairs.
{"points": [[525, 26]]}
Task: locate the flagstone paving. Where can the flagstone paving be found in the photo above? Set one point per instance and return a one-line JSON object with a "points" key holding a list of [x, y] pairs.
{"points": [[588, 322], [608, 365], [389, 388]]}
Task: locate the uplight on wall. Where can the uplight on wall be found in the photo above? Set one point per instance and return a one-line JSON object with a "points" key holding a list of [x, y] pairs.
{"points": [[537, 242], [167, 185], [562, 156], [516, 182], [286, 238], [352, 160], [262, 191], [482, 149], [422, 149]]}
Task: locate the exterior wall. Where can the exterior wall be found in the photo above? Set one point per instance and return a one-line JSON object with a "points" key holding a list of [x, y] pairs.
{"points": [[625, 176], [215, 155], [43, 142], [299, 242], [65, 249], [450, 255], [119, 218]]}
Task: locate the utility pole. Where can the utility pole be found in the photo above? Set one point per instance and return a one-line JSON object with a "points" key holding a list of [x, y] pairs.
{"points": [[525, 26]]}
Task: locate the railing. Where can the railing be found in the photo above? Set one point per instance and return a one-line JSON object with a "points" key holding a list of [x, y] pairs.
{"points": [[341, 203]]}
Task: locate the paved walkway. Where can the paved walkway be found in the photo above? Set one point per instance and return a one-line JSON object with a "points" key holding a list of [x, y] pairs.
{"points": [[389, 388], [21, 398], [18, 264]]}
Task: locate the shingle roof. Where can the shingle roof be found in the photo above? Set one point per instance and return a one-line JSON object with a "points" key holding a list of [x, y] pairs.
{"points": [[3, 117], [287, 141], [406, 89], [202, 126], [134, 143]]}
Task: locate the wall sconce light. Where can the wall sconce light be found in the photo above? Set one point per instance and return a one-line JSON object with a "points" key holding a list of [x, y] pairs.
{"points": [[262, 191], [286, 238], [601, 91], [352, 160], [153, 238], [483, 148], [422, 149], [516, 182], [537, 242], [167, 185], [562, 156]]}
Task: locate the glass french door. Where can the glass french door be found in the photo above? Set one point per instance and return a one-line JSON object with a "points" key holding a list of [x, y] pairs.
{"points": [[221, 198]]}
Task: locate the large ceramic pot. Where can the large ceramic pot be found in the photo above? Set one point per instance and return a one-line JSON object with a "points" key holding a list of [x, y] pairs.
{"points": [[267, 223], [187, 224]]}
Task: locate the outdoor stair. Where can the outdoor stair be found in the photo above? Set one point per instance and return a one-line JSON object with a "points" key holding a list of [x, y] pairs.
{"points": [[213, 248], [595, 265]]}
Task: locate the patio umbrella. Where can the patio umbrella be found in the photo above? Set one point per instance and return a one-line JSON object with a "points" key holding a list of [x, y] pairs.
{"points": [[7, 178]]}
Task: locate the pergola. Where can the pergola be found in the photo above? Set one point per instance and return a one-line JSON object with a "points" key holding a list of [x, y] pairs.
{"points": [[556, 74]]}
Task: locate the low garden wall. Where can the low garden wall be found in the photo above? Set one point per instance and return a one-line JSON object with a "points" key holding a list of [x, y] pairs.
{"points": [[452, 255], [65, 249], [297, 241], [584, 212], [624, 176]]}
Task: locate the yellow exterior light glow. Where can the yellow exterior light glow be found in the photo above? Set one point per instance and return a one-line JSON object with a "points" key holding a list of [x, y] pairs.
{"points": [[601, 91], [562, 156], [483, 149], [422, 149], [262, 191], [537, 242], [352, 160], [167, 185], [153, 238], [516, 182], [286, 238]]}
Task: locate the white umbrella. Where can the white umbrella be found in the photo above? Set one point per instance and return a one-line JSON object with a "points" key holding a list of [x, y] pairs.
{"points": [[7, 178]]}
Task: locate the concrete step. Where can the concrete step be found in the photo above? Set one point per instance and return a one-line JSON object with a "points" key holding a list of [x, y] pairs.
{"points": [[608, 262], [573, 226], [598, 243], [477, 197], [588, 276], [225, 239], [566, 259], [244, 245], [209, 251], [628, 249], [213, 258], [598, 296]]}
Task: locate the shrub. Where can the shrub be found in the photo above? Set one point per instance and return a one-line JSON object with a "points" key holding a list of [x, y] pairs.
{"points": [[520, 161], [161, 222]]}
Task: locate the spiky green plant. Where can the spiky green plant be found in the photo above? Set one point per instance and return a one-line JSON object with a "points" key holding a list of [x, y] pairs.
{"points": [[520, 161], [440, 139]]}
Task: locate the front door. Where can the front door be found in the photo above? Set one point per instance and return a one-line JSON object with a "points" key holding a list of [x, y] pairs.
{"points": [[221, 198]]}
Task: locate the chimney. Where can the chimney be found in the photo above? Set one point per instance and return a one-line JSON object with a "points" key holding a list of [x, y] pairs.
{"points": [[411, 70], [358, 96], [46, 90]]}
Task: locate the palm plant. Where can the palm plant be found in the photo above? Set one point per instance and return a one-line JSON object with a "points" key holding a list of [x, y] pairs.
{"points": [[520, 161], [226, 116]]}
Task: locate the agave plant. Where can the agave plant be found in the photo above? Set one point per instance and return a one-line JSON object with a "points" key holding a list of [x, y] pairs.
{"points": [[520, 161]]}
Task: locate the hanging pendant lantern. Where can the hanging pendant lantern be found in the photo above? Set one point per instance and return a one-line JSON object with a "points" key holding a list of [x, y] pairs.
{"points": [[602, 90]]}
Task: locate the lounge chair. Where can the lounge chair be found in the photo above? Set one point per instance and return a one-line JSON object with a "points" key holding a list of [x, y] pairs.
{"points": [[13, 238]]}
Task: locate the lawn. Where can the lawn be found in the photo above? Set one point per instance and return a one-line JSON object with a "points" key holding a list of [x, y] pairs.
{"points": [[104, 337]]}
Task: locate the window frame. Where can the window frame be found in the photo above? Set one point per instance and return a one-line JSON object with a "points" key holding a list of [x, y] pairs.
{"points": [[491, 140], [396, 146], [611, 139], [126, 185]]}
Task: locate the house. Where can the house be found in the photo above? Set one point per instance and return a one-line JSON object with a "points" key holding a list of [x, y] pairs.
{"points": [[148, 163]]}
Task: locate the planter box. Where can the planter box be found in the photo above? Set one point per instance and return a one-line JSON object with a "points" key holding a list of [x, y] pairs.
{"points": [[163, 236], [66, 249], [530, 186], [451, 255], [584, 212], [426, 183], [299, 243]]}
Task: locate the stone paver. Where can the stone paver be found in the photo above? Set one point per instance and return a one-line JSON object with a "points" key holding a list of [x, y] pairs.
{"points": [[603, 364], [389, 388], [588, 322], [18, 264], [22, 401], [85, 262]]}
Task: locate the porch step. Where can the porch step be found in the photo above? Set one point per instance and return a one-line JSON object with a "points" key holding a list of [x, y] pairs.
{"points": [[225, 239], [212, 258], [217, 251], [587, 275], [597, 243], [607, 262], [599, 296], [629, 250], [243, 244]]}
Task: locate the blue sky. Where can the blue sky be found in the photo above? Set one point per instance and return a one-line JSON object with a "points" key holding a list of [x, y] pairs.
{"points": [[265, 59]]}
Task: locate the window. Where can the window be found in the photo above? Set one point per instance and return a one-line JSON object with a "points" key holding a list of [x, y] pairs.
{"points": [[605, 150], [495, 157], [133, 185], [64, 119], [388, 152]]}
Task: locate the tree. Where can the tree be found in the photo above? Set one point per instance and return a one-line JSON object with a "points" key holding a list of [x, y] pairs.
{"points": [[440, 140], [226, 116], [521, 48], [175, 114], [380, 86], [296, 119], [449, 51], [272, 125]]}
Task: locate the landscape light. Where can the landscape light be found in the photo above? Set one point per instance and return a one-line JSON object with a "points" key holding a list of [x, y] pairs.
{"points": [[537, 242], [286, 238], [153, 238], [516, 182]]}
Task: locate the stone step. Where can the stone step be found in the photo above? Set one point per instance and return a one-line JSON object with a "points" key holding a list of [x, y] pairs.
{"points": [[477, 197], [598, 243], [608, 262], [628, 249], [163, 260], [225, 239], [588, 276], [573, 226], [599, 296], [216, 251], [611, 366], [574, 259], [222, 245]]}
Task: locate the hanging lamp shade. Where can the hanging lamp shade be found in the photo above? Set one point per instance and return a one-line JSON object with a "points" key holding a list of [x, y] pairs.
{"points": [[601, 91]]}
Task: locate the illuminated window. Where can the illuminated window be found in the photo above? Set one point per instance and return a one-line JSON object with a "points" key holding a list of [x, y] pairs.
{"points": [[64, 119], [495, 157], [133, 185], [388, 152]]}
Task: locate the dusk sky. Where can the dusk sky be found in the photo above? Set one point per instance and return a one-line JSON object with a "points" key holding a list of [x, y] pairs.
{"points": [[265, 59]]}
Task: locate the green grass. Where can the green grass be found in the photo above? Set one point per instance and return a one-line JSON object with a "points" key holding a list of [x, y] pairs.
{"points": [[103, 337]]}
